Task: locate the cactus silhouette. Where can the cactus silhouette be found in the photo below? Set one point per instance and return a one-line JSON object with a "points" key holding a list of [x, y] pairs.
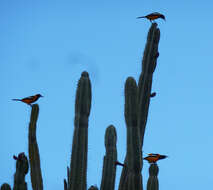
{"points": [[34, 157], [110, 158], [152, 183], [78, 165], [149, 63], [22, 168], [5, 186], [137, 100], [93, 188]]}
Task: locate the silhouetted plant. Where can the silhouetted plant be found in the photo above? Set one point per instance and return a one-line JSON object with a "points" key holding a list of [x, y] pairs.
{"points": [[5, 186], [22, 168], [137, 100], [152, 183]]}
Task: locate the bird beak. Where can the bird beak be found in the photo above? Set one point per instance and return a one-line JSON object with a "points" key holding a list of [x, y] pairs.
{"points": [[42, 96]]}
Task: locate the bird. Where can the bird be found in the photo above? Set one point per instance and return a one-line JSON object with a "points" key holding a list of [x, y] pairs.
{"points": [[29, 100], [153, 158], [153, 16]]}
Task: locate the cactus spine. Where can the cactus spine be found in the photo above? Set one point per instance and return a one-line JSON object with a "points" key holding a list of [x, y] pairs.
{"points": [[35, 169], [78, 165], [152, 183], [137, 101], [109, 167], [22, 168]]}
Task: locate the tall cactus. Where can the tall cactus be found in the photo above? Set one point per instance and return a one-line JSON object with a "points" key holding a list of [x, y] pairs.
{"points": [[22, 168], [109, 167], [132, 179], [145, 81], [138, 99], [35, 168], [152, 183], [78, 165]]}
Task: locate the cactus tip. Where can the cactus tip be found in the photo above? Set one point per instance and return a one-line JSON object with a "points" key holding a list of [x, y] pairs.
{"points": [[85, 74]]}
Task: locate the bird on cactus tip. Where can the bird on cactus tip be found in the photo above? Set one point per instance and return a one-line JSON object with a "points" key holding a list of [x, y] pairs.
{"points": [[153, 16], [153, 158], [29, 100]]}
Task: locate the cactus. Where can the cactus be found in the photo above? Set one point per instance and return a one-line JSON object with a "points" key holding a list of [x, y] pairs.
{"points": [[137, 99], [131, 175], [152, 183], [149, 63], [109, 166], [22, 168], [5, 186], [78, 165], [93, 188], [34, 157]]}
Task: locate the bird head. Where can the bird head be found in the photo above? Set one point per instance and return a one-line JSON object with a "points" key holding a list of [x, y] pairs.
{"points": [[39, 95], [163, 17]]}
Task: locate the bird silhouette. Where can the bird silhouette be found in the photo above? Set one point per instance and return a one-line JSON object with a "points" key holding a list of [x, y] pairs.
{"points": [[153, 158], [153, 16], [29, 100]]}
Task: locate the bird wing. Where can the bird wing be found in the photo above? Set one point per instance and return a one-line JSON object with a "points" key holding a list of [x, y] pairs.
{"points": [[156, 13], [28, 98]]}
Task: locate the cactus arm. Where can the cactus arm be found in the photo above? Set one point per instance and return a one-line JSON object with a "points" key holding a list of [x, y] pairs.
{"points": [[152, 183], [93, 188], [78, 165], [110, 158], [35, 168], [139, 100], [134, 156], [145, 81], [22, 168], [5, 186], [131, 178]]}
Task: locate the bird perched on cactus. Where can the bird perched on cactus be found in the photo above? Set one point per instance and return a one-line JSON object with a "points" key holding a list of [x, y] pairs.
{"points": [[153, 158], [29, 100], [153, 16]]}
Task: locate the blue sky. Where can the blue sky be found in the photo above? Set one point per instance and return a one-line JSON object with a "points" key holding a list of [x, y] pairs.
{"points": [[44, 47]]}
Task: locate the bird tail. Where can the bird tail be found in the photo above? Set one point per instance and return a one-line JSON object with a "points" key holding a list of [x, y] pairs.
{"points": [[141, 17], [16, 99]]}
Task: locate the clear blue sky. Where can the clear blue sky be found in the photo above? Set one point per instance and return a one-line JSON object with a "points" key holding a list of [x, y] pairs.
{"points": [[44, 47]]}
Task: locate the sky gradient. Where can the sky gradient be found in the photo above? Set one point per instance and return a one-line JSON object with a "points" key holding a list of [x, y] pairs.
{"points": [[44, 47]]}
